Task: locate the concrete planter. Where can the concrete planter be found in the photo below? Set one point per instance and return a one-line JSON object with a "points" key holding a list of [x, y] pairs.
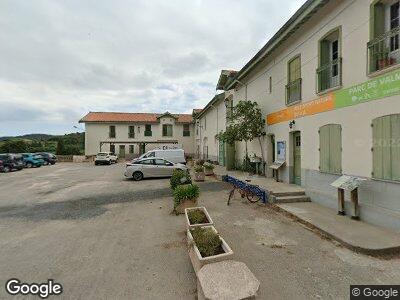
{"points": [[198, 261], [204, 210], [199, 176], [189, 203], [208, 172]]}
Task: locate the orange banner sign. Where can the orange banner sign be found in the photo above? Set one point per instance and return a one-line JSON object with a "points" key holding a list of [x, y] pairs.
{"points": [[313, 107]]}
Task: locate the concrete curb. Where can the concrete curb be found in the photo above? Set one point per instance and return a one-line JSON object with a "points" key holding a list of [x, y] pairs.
{"points": [[381, 253]]}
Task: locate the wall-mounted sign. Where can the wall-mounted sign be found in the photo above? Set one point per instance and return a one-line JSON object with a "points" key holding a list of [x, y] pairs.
{"points": [[378, 88]]}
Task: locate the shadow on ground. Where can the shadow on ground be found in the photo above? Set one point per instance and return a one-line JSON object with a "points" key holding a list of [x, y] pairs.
{"points": [[90, 207]]}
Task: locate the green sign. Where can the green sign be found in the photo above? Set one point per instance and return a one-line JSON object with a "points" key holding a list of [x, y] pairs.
{"points": [[380, 87]]}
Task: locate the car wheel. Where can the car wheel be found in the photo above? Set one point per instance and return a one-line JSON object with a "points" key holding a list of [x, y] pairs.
{"points": [[29, 165], [95, 163], [137, 176], [6, 169], [46, 163], [110, 162]]}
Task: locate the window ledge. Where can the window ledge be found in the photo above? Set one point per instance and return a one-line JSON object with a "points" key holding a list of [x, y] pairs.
{"points": [[293, 103], [383, 71], [330, 90]]}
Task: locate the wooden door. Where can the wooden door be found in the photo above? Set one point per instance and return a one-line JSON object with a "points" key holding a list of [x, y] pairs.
{"points": [[297, 158], [122, 151]]}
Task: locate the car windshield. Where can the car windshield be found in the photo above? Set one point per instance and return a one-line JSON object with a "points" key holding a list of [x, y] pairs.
{"points": [[37, 156], [102, 154]]}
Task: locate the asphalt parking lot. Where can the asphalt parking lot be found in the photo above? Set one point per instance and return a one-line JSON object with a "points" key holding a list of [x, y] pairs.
{"points": [[104, 237]]}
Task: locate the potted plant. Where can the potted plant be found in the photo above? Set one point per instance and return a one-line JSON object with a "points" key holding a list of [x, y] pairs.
{"points": [[197, 217], [384, 59], [206, 246], [208, 169], [199, 162], [199, 173], [179, 177], [185, 196]]}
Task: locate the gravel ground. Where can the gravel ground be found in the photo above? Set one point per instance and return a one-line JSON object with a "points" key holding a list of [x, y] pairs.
{"points": [[104, 237]]}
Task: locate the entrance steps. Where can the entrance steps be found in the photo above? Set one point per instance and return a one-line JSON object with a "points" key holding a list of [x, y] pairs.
{"points": [[289, 197]]}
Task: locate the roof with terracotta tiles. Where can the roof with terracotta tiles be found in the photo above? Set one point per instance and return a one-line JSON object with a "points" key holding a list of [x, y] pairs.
{"points": [[119, 117]]}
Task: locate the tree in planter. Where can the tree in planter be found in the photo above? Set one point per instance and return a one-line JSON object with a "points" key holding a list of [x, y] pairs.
{"points": [[247, 125], [208, 168]]}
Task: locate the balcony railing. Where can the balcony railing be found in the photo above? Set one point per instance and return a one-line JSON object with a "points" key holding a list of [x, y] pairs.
{"points": [[111, 134], [329, 75], [384, 51], [148, 133], [293, 91], [131, 135], [186, 133]]}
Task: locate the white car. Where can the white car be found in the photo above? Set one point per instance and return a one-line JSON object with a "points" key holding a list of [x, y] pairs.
{"points": [[152, 167], [105, 158], [172, 155]]}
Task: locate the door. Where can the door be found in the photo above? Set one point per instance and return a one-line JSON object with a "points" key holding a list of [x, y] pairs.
{"points": [[297, 158], [163, 168], [122, 151], [221, 152]]}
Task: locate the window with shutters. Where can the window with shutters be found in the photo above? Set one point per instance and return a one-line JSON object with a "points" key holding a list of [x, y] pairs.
{"points": [[386, 147], [186, 130], [111, 132], [167, 130], [383, 47], [330, 149], [131, 149], [147, 130], [131, 132], [329, 72], [293, 88]]}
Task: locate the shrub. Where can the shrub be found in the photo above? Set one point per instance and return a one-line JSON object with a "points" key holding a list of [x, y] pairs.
{"points": [[209, 166], [185, 192], [200, 162], [207, 241], [197, 216], [198, 169], [179, 177]]}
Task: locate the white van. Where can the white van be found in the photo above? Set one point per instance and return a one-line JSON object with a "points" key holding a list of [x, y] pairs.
{"points": [[173, 155]]}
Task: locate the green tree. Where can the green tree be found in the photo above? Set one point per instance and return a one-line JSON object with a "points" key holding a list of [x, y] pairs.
{"points": [[247, 125], [14, 146]]}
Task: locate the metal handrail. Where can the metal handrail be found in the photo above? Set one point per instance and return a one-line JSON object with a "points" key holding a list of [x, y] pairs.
{"points": [[289, 91]]}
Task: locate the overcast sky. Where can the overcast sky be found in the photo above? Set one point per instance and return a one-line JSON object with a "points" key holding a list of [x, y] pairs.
{"points": [[61, 59]]}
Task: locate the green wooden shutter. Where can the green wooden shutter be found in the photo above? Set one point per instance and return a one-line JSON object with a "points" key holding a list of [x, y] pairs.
{"points": [[395, 146], [335, 146], [377, 155], [377, 20], [386, 149], [324, 149]]}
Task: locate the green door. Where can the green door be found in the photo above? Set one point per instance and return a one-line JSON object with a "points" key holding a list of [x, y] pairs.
{"points": [[221, 158], [297, 158], [122, 151]]}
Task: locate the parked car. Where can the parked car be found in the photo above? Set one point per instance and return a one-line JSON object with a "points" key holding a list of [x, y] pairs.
{"points": [[1, 166], [172, 155], [32, 160], [11, 162], [49, 158], [105, 158], [152, 167]]}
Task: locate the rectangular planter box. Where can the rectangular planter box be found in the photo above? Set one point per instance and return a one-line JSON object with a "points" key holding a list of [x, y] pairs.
{"points": [[199, 176], [198, 261], [180, 209], [189, 226], [208, 172]]}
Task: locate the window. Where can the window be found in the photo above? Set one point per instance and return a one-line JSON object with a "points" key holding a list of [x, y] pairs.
{"points": [[329, 72], [386, 147], [112, 148], [330, 149], [131, 149], [147, 130], [131, 132], [229, 109], [293, 88], [111, 132], [167, 130], [270, 84], [383, 47], [147, 162], [162, 162], [186, 130]]}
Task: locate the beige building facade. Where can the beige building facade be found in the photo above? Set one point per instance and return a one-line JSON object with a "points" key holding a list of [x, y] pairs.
{"points": [[328, 83]]}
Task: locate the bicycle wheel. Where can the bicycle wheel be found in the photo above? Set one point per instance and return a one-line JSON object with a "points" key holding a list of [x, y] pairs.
{"points": [[253, 198]]}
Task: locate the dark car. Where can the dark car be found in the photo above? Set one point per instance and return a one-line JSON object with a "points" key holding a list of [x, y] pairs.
{"points": [[49, 158], [1, 166], [12, 162]]}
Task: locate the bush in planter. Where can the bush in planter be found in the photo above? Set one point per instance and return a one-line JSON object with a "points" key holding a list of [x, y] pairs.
{"points": [[208, 167], [179, 177], [200, 162], [207, 241], [199, 169], [185, 192], [197, 216]]}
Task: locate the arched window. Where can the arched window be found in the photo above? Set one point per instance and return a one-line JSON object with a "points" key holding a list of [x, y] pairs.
{"points": [[330, 149], [386, 147]]}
